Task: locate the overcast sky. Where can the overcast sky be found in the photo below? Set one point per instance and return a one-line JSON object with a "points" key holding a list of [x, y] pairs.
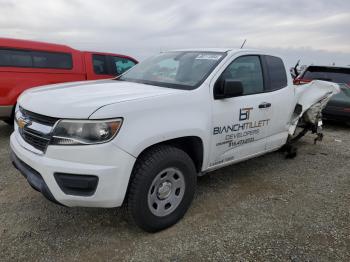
{"points": [[315, 31]]}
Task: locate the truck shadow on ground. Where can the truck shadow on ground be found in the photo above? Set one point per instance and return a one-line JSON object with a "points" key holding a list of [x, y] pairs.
{"points": [[228, 186], [5, 131]]}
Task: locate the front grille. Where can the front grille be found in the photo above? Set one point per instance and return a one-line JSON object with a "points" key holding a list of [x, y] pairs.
{"points": [[37, 132], [46, 120], [36, 141]]}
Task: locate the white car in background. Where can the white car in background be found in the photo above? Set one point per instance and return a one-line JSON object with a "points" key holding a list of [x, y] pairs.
{"points": [[142, 139]]}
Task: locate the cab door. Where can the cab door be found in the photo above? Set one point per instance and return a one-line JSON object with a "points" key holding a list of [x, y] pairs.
{"points": [[239, 124], [282, 100]]}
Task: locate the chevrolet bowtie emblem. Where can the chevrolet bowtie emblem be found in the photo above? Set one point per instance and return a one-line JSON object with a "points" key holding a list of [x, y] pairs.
{"points": [[21, 122]]}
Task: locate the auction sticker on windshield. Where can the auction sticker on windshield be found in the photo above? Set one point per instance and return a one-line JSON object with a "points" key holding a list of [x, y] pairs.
{"points": [[209, 56]]}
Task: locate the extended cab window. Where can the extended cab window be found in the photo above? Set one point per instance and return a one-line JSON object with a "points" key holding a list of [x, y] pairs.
{"points": [[246, 69], [100, 64], [276, 72], [35, 59], [121, 65]]}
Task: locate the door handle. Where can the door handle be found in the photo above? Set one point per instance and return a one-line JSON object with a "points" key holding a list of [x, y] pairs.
{"points": [[265, 105]]}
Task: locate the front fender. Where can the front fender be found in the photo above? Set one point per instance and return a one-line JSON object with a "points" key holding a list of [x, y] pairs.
{"points": [[151, 121]]}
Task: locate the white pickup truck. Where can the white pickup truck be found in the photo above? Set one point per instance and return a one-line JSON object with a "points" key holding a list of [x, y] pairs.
{"points": [[141, 140]]}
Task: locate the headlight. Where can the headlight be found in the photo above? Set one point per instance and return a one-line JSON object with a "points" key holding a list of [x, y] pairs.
{"points": [[80, 132]]}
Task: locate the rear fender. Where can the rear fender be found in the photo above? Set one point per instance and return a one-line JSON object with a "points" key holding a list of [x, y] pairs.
{"points": [[312, 98]]}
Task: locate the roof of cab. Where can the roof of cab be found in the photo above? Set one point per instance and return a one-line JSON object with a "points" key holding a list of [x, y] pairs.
{"points": [[202, 50], [27, 44], [221, 50]]}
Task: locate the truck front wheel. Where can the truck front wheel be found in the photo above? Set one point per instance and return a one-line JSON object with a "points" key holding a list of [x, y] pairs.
{"points": [[162, 188]]}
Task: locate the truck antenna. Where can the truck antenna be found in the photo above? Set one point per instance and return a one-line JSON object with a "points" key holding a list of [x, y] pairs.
{"points": [[245, 40]]}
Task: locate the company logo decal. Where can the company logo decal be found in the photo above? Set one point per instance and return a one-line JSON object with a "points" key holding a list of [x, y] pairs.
{"points": [[237, 134], [244, 113]]}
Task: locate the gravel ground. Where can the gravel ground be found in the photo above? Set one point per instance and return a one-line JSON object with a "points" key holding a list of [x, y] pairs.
{"points": [[265, 209]]}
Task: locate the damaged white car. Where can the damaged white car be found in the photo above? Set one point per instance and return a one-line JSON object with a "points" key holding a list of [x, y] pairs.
{"points": [[142, 139]]}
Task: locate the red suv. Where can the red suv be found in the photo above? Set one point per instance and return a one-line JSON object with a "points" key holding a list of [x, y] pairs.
{"points": [[25, 64]]}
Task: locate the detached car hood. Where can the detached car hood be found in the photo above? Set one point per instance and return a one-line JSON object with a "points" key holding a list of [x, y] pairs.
{"points": [[79, 100]]}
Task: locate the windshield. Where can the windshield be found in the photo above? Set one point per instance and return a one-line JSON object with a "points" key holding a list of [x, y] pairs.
{"points": [[181, 70], [336, 75]]}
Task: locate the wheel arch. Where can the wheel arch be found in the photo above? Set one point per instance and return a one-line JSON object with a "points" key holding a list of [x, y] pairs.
{"points": [[192, 145]]}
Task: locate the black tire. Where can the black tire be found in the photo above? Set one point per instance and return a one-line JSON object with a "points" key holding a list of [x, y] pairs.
{"points": [[147, 168]]}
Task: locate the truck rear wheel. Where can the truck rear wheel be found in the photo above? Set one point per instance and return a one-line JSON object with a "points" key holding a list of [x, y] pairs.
{"points": [[162, 188]]}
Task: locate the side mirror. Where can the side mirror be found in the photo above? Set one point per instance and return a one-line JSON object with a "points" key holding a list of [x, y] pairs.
{"points": [[227, 88]]}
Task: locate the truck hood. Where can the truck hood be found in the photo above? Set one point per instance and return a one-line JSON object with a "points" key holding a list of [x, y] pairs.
{"points": [[79, 100]]}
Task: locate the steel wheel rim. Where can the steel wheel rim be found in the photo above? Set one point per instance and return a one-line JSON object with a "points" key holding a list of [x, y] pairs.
{"points": [[166, 192]]}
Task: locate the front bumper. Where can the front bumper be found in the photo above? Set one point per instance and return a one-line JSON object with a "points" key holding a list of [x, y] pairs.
{"points": [[33, 177], [109, 163]]}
